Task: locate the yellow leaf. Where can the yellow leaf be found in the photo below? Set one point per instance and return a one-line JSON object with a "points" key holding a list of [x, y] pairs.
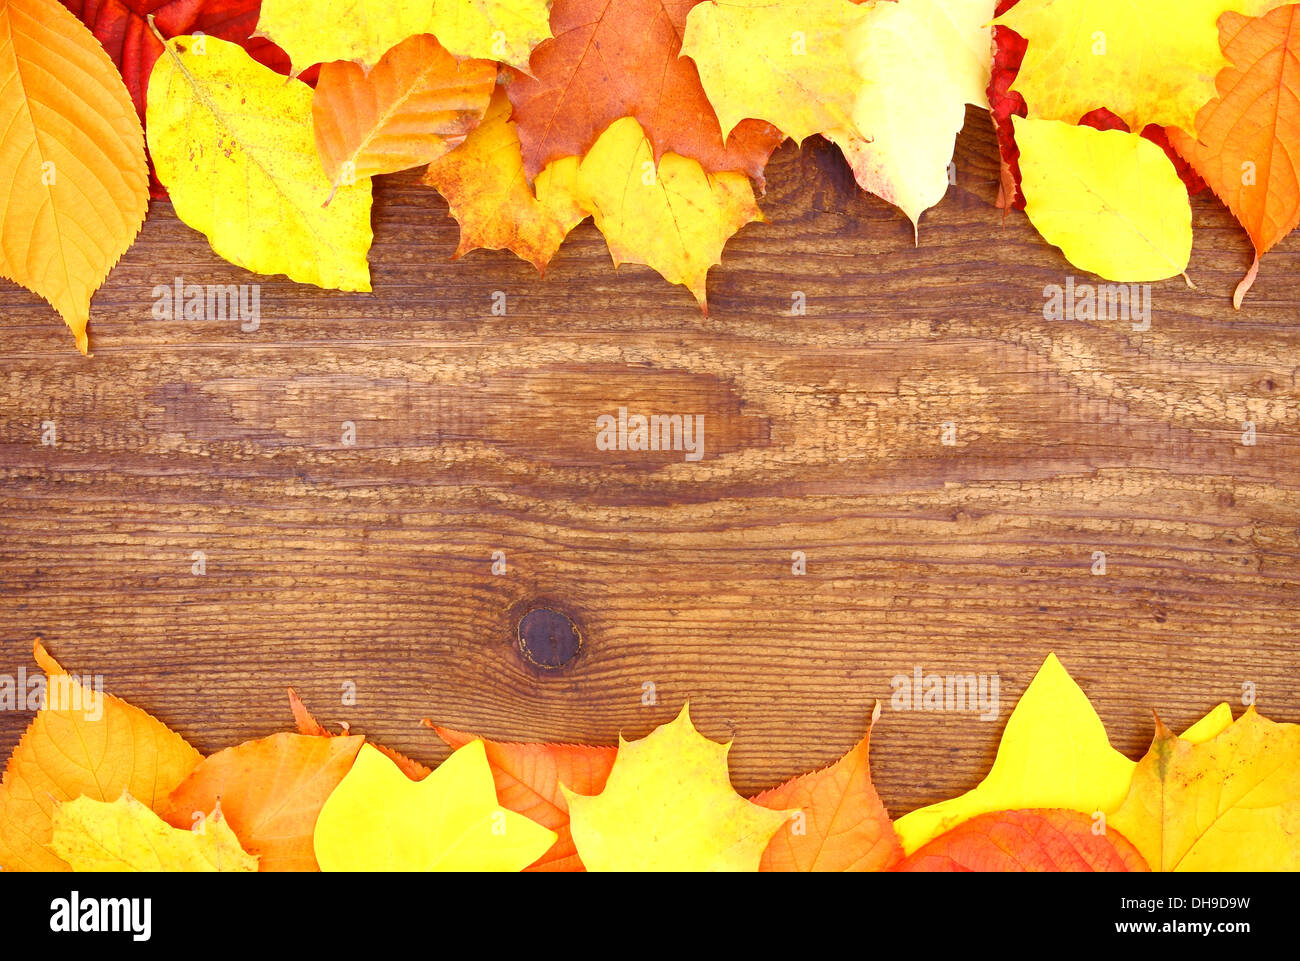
{"points": [[923, 61], [789, 64], [1110, 200], [674, 217], [505, 30], [81, 742], [124, 835], [233, 143], [72, 167], [1149, 62], [378, 819], [669, 806], [1230, 803], [325, 30], [484, 184], [363, 30], [1054, 754]]}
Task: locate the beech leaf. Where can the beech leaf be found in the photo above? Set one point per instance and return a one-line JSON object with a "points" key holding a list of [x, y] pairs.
{"points": [[418, 103], [232, 142], [72, 165]]}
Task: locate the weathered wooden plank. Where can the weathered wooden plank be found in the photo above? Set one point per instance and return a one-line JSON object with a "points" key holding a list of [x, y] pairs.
{"points": [[371, 564]]}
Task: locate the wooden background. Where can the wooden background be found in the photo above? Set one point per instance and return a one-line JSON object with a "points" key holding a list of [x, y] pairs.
{"points": [[475, 433]]}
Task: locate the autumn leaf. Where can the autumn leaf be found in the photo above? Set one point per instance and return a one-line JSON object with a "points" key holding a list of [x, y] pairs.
{"points": [[922, 61], [1110, 200], [611, 59], [379, 820], [72, 164], [1247, 145], [270, 792], [1152, 62], [310, 727], [668, 805], [528, 779], [1033, 840], [363, 30], [81, 742], [839, 824], [418, 103], [123, 28], [488, 194], [504, 30], [674, 217], [1229, 803], [232, 141], [124, 835], [792, 65], [1054, 754]]}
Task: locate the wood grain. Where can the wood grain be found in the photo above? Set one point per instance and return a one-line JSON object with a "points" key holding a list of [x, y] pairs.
{"points": [[371, 564]]}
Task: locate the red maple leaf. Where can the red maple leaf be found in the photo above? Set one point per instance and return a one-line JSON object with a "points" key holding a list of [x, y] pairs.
{"points": [[1004, 103], [618, 58]]}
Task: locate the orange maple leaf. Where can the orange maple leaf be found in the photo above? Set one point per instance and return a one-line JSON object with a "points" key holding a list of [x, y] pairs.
{"points": [[840, 822], [528, 779], [1046, 839], [621, 58], [1248, 145]]}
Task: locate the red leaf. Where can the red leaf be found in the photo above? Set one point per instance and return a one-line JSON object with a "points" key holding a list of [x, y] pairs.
{"points": [[1032, 840]]}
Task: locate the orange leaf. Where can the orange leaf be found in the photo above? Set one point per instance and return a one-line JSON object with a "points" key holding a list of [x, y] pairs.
{"points": [[841, 824], [1046, 839], [82, 742], [621, 58], [270, 792], [415, 105], [486, 191], [72, 165], [1248, 146], [308, 725], [528, 779]]}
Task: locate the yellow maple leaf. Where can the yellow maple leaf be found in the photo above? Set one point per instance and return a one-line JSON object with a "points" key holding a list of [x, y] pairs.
{"points": [[1110, 200], [124, 835], [363, 30], [789, 64], [81, 742], [378, 819], [1054, 753], [1148, 62], [673, 217], [922, 61], [72, 165], [669, 806], [1228, 803], [233, 143], [487, 192]]}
